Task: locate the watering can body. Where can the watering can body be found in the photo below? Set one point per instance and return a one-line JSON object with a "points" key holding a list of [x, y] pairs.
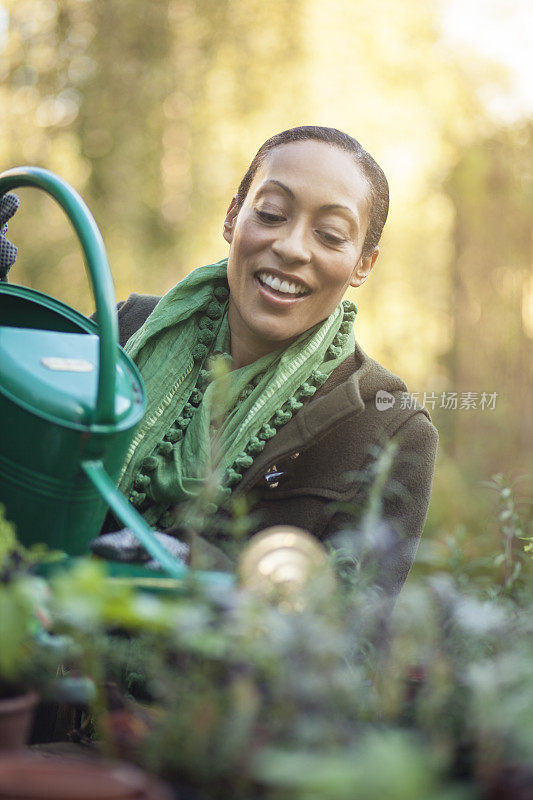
{"points": [[68, 396], [47, 396]]}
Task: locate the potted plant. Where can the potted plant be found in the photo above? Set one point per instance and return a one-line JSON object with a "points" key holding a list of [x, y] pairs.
{"points": [[30, 659], [34, 664]]}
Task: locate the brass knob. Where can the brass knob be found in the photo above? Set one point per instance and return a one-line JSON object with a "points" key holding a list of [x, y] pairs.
{"points": [[280, 562]]}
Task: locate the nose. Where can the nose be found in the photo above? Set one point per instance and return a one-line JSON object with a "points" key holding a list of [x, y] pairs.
{"points": [[290, 244]]}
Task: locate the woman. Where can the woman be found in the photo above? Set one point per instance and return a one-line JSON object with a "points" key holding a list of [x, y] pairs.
{"points": [[300, 423]]}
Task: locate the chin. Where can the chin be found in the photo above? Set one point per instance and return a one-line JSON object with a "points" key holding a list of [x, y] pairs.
{"points": [[269, 332]]}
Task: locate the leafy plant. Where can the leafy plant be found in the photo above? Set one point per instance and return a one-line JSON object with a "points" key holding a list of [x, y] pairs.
{"points": [[511, 529], [23, 607], [30, 657], [225, 694]]}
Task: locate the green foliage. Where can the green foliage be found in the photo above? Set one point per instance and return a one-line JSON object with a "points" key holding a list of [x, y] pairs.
{"points": [[8, 539], [511, 530], [17, 599], [22, 595], [339, 699], [392, 763], [29, 656]]}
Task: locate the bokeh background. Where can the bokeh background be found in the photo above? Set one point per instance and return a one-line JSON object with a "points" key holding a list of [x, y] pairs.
{"points": [[153, 110]]}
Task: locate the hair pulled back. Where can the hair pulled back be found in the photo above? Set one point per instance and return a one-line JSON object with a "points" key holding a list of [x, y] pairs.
{"points": [[377, 182]]}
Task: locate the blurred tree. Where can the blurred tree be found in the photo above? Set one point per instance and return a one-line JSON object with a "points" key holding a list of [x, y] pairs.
{"points": [[120, 125], [390, 79], [144, 108], [491, 272], [39, 104]]}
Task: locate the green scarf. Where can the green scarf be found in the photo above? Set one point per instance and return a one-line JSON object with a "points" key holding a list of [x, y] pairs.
{"points": [[197, 423]]}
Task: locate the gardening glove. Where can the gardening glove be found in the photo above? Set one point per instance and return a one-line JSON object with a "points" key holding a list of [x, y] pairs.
{"points": [[124, 546], [8, 252]]}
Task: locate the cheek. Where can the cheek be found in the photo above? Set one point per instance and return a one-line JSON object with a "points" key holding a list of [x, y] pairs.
{"points": [[234, 275], [339, 275], [248, 243], [251, 237]]}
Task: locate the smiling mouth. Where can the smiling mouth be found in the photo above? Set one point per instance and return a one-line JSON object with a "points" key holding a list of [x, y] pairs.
{"points": [[291, 290]]}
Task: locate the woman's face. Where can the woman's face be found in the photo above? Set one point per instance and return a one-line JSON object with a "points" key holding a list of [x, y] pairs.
{"points": [[295, 245]]}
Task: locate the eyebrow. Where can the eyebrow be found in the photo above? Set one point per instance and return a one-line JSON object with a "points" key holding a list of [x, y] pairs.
{"points": [[329, 207], [281, 186]]}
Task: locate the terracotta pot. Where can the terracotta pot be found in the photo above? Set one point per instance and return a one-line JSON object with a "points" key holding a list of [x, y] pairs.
{"points": [[16, 715], [29, 777]]}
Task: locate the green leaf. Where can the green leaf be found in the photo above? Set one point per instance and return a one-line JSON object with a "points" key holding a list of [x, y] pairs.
{"points": [[13, 630]]}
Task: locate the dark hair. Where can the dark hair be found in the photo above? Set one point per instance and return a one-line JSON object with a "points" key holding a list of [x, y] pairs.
{"points": [[377, 182]]}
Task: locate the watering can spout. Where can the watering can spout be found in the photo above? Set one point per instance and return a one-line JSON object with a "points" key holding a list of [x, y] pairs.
{"points": [[97, 474]]}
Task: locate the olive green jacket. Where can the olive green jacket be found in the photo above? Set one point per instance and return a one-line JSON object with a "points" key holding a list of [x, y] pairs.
{"points": [[317, 472]]}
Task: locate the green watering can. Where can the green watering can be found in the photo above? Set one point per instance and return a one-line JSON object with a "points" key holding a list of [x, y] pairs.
{"points": [[70, 401]]}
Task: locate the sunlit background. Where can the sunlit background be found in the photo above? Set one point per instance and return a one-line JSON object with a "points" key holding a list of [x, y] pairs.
{"points": [[153, 110]]}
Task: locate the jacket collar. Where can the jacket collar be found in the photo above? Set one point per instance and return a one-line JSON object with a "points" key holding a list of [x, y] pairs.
{"points": [[343, 395]]}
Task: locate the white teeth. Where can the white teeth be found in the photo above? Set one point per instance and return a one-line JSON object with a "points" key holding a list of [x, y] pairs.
{"points": [[280, 286]]}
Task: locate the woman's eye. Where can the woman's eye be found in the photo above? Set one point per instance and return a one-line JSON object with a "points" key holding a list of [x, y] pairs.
{"points": [[331, 238], [268, 216]]}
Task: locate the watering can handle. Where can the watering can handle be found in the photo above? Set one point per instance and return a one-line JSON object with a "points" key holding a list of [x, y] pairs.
{"points": [[98, 271]]}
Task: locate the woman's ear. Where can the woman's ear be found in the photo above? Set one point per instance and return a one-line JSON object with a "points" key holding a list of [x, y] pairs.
{"points": [[229, 222], [362, 270]]}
